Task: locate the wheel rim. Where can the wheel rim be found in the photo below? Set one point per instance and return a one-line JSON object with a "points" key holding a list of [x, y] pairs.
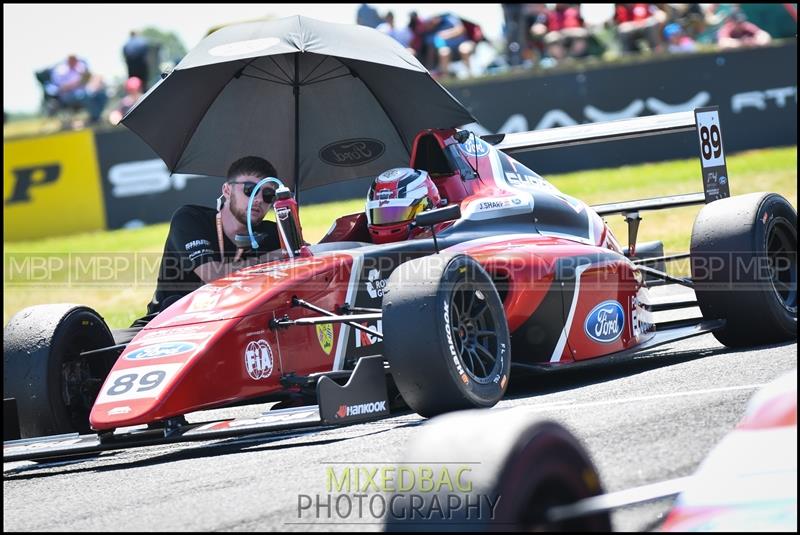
{"points": [[81, 379], [782, 259], [474, 330]]}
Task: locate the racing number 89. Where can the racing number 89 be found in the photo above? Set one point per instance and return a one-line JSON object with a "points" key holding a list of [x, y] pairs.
{"points": [[146, 382], [710, 139]]}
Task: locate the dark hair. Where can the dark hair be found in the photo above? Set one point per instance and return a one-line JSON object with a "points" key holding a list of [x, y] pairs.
{"points": [[251, 165]]}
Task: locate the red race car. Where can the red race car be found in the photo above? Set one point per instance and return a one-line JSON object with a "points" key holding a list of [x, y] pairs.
{"points": [[464, 266]]}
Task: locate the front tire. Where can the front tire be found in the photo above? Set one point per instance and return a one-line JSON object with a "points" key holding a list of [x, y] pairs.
{"points": [[445, 335], [54, 387], [523, 464], [744, 268]]}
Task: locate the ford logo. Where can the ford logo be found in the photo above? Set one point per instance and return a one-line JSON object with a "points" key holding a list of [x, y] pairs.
{"points": [[352, 152], [475, 147], [156, 351], [605, 322]]}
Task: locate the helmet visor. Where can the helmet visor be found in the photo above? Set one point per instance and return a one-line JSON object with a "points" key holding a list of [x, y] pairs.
{"points": [[391, 212]]}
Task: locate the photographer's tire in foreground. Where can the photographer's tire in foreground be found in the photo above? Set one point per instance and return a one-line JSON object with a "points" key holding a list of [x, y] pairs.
{"points": [[445, 335], [744, 268], [512, 467], [53, 386]]}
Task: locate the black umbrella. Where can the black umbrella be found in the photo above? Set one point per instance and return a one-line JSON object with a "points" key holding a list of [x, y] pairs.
{"points": [[323, 102]]}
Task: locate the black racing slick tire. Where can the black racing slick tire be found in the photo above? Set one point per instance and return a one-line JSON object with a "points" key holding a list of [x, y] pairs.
{"points": [[744, 268], [445, 335], [53, 386], [512, 467]]}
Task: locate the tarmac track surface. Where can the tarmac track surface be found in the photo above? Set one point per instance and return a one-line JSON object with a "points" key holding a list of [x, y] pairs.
{"points": [[644, 420]]}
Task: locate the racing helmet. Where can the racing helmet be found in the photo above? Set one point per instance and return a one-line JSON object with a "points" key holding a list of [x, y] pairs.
{"points": [[395, 197]]}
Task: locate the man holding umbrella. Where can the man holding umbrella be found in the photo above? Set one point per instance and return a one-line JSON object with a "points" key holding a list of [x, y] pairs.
{"points": [[202, 243]]}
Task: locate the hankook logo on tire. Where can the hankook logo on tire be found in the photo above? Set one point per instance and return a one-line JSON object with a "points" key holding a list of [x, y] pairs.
{"points": [[449, 333]]}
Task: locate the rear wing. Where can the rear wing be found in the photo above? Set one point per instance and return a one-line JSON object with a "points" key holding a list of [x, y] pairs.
{"points": [[704, 121]]}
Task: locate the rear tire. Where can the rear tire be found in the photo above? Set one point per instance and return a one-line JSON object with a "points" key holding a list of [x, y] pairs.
{"points": [[445, 335], [744, 268], [54, 388]]}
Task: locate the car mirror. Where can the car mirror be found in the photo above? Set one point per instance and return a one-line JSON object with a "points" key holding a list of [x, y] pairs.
{"points": [[439, 215]]}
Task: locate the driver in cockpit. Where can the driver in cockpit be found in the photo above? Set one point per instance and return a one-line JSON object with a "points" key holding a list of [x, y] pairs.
{"points": [[395, 198]]}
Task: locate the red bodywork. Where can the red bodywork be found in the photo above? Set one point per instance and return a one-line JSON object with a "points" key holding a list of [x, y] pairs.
{"points": [[215, 346]]}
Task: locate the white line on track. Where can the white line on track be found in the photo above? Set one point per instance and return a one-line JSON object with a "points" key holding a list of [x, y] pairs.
{"points": [[571, 404]]}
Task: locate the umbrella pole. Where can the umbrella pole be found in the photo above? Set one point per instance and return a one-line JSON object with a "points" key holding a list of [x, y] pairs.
{"points": [[297, 130]]}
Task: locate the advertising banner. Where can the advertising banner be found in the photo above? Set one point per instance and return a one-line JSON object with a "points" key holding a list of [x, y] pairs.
{"points": [[51, 186]]}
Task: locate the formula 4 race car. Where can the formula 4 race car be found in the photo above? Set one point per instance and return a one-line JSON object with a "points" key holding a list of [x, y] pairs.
{"points": [[511, 273]]}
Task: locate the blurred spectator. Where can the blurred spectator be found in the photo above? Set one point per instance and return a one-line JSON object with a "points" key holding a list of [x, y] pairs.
{"points": [[72, 84], [448, 39], [513, 32], [566, 36], [418, 28], [737, 32], [639, 26], [368, 16], [523, 46], [136, 50], [536, 18], [133, 91], [677, 40], [778, 20], [402, 34]]}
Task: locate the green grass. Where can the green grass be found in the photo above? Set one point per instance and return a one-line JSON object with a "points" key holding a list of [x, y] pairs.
{"points": [[129, 284]]}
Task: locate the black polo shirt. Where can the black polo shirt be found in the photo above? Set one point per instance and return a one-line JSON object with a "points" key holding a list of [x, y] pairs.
{"points": [[193, 241]]}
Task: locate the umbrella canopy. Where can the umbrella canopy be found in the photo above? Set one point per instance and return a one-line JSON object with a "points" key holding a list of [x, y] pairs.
{"points": [[323, 102]]}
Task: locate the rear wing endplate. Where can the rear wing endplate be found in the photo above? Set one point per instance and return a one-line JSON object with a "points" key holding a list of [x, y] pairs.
{"points": [[704, 121]]}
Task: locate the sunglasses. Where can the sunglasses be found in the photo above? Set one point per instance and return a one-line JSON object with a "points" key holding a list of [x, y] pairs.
{"points": [[267, 194]]}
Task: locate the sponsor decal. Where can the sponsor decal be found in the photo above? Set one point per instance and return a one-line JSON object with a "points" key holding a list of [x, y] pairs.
{"points": [[449, 333], [258, 359], [173, 334], [392, 174], [364, 339], [119, 410], [375, 284], [157, 351], [200, 252], [497, 378], [474, 146], [274, 273], [10, 450], [197, 243], [605, 322], [325, 337], [352, 152], [203, 301], [362, 408], [522, 179], [641, 318]]}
